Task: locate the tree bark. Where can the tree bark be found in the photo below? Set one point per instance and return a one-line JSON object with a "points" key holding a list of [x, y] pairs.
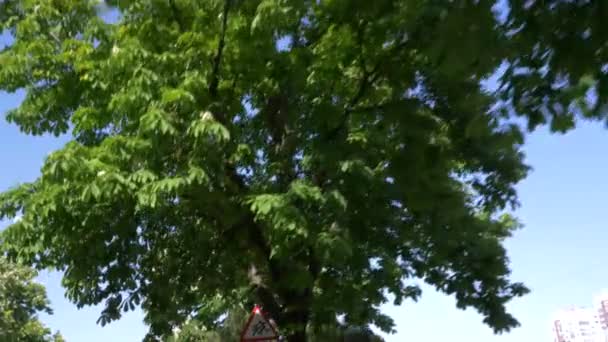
{"points": [[297, 336]]}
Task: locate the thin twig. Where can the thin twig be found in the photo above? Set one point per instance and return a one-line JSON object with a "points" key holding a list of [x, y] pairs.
{"points": [[368, 79], [217, 60]]}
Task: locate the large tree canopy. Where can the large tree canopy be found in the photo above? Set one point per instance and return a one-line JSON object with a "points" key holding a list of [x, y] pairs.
{"points": [[315, 157], [21, 299]]}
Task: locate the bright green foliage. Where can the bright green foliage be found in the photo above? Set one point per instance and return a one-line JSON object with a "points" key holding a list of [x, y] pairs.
{"points": [[193, 332], [228, 329], [311, 156], [21, 299]]}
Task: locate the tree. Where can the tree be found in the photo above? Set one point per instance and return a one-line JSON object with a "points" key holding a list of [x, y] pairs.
{"points": [[192, 332], [312, 156], [231, 326], [227, 329], [344, 333], [21, 299]]}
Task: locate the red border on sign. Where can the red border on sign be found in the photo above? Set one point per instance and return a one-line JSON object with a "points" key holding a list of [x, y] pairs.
{"points": [[254, 312]]}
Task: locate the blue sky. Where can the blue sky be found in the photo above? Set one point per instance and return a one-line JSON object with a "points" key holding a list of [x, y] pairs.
{"points": [[560, 253]]}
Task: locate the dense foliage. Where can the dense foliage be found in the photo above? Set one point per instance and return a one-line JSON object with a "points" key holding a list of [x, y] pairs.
{"points": [[21, 299], [315, 157], [230, 327]]}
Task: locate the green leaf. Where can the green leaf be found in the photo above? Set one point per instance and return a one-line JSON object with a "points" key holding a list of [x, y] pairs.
{"points": [[157, 121], [171, 96], [207, 127]]}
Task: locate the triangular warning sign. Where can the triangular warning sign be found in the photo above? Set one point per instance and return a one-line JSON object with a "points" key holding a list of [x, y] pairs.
{"points": [[258, 328]]}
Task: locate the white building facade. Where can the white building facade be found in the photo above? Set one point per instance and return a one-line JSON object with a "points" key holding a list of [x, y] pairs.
{"points": [[600, 302], [578, 325], [583, 324]]}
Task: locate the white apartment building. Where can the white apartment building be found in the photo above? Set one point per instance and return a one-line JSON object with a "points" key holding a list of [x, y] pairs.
{"points": [[578, 325], [583, 324], [600, 303]]}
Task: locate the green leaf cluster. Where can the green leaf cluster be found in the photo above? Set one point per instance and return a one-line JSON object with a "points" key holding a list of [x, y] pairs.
{"points": [[21, 300]]}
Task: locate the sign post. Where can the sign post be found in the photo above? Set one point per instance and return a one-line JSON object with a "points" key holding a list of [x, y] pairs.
{"points": [[258, 328]]}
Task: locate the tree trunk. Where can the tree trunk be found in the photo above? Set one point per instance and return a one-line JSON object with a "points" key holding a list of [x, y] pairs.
{"points": [[289, 307], [297, 336], [296, 319]]}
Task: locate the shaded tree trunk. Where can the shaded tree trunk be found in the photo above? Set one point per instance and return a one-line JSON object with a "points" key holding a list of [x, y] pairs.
{"points": [[292, 315], [296, 321], [297, 336]]}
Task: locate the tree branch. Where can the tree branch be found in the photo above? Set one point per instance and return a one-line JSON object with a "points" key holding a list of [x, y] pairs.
{"points": [[55, 38], [217, 60], [368, 79], [276, 112], [269, 302], [285, 305], [176, 15], [386, 104]]}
